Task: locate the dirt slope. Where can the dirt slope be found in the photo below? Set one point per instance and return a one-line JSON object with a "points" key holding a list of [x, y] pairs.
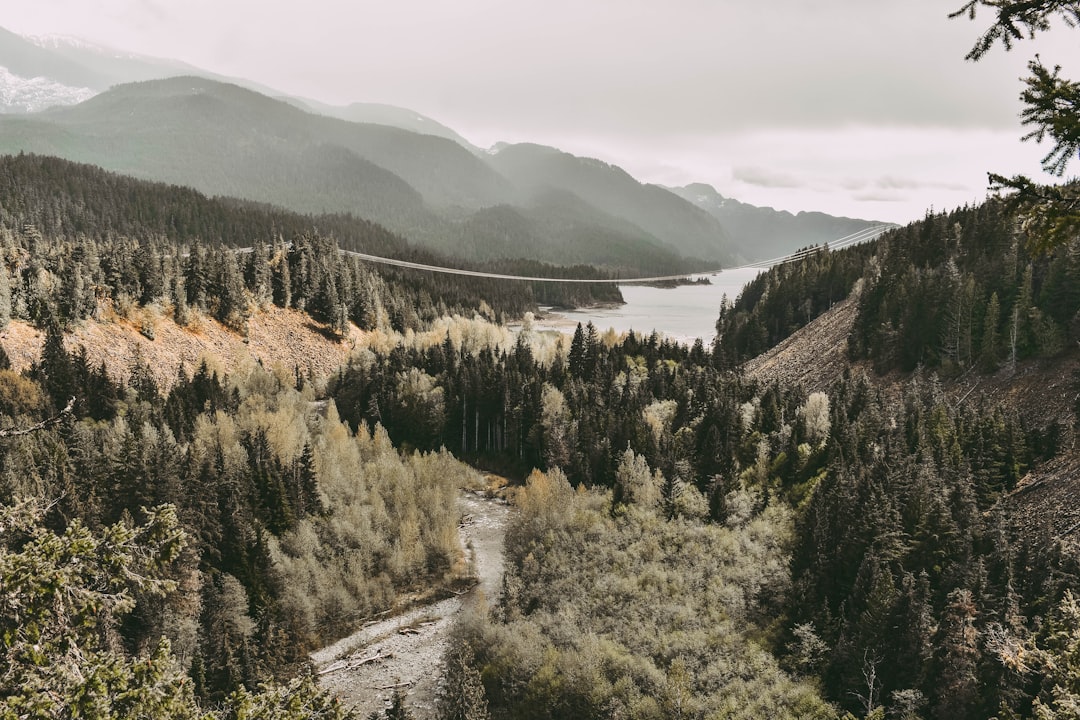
{"points": [[813, 357], [288, 337]]}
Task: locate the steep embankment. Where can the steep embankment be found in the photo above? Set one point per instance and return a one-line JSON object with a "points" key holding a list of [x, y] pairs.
{"points": [[1043, 391], [275, 336], [1040, 390], [814, 356]]}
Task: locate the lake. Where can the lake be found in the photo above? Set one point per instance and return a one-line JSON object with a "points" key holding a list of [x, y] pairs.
{"points": [[682, 313]]}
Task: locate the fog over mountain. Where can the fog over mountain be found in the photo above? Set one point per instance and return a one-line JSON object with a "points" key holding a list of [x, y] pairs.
{"points": [[392, 164], [852, 110]]}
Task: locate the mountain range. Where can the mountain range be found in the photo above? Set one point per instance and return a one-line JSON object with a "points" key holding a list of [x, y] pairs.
{"points": [[167, 121]]}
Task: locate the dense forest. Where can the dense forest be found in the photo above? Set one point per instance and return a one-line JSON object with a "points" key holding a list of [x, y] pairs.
{"points": [[890, 509], [295, 526], [785, 298], [688, 541], [957, 291]]}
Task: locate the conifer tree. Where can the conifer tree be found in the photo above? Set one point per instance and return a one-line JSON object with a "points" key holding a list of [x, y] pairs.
{"points": [[463, 696], [988, 350], [1052, 110]]}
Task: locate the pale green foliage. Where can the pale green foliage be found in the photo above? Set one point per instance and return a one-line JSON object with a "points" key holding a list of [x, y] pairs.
{"points": [[658, 417], [5, 295], [635, 616], [462, 696], [636, 481], [748, 412], [808, 649], [387, 522], [1057, 659], [299, 700], [392, 523], [63, 596], [420, 405], [692, 504], [558, 427], [908, 704], [815, 418], [467, 335]]}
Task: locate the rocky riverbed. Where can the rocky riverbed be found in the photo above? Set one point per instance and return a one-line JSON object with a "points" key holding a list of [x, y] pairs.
{"points": [[405, 652]]}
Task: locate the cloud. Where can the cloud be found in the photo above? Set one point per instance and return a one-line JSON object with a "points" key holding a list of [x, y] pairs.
{"points": [[766, 177], [894, 182], [880, 197]]}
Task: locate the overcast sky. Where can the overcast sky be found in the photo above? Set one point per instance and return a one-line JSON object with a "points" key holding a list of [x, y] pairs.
{"points": [[851, 107]]}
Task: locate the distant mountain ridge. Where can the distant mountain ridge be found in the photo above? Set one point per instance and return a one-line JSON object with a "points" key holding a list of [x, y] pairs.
{"points": [[668, 218], [214, 136], [73, 70], [382, 114], [226, 140], [770, 233], [135, 115]]}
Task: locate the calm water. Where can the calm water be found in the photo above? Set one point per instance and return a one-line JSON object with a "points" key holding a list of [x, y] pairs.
{"points": [[682, 313]]}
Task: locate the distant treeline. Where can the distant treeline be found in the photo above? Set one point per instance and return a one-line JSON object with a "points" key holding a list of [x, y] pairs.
{"points": [[72, 235]]}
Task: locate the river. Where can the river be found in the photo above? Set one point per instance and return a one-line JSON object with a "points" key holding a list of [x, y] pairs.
{"points": [[681, 313], [405, 652]]}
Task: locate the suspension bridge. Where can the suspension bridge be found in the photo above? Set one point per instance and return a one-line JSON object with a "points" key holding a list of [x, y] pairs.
{"points": [[863, 235]]}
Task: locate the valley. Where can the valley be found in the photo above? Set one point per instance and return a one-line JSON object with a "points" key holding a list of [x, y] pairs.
{"points": [[322, 409]]}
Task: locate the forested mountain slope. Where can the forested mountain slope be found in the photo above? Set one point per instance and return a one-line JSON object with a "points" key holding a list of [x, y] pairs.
{"points": [[956, 292], [270, 527], [208, 134], [763, 233], [75, 235], [955, 341], [663, 215], [224, 140]]}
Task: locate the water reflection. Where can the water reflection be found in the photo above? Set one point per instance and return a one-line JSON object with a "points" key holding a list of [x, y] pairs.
{"points": [[682, 313]]}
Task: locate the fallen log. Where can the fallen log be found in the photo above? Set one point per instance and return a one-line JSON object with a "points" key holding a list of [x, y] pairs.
{"points": [[351, 664]]}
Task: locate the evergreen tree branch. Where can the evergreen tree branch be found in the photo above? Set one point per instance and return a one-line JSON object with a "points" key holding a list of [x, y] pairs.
{"points": [[1053, 107], [1049, 214], [1017, 20], [15, 432]]}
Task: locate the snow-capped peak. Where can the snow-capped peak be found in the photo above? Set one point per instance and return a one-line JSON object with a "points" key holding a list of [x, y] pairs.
{"points": [[23, 95]]}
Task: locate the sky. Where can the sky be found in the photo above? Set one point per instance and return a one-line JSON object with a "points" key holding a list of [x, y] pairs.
{"points": [[855, 108]]}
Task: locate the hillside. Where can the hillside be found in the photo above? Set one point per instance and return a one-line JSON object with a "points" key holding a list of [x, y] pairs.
{"points": [[660, 214], [1042, 390], [762, 233], [290, 339], [226, 140], [559, 227], [39, 72], [814, 357]]}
